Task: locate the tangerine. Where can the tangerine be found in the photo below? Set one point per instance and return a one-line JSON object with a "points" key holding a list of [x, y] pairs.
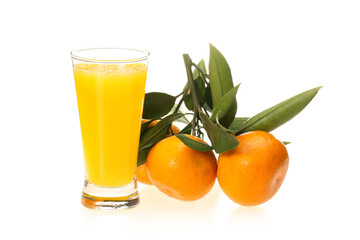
{"points": [[253, 172], [179, 171], [141, 172]]}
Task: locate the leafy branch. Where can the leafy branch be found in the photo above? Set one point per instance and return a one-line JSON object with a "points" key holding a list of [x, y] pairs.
{"points": [[210, 96]]}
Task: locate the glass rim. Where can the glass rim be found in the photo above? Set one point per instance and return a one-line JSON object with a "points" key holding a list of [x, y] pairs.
{"points": [[74, 55]]}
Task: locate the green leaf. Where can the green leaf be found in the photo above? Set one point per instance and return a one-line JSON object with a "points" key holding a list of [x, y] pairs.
{"points": [[237, 123], [158, 132], [200, 87], [145, 126], [191, 143], [226, 101], [157, 105], [189, 102], [220, 139], [229, 117], [202, 66], [279, 114], [221, 126], [221, 82], [142, 156], [286, 143], [219, 75], [208, 99]]}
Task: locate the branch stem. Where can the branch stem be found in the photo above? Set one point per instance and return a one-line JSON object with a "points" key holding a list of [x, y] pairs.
{"points": [[200, 70], [188, 63], [185, 93], [185, 90]]}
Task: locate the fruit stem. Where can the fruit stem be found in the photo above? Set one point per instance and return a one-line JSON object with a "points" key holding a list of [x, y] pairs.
{"points": [[182, 93], [188, 63], [185, 93], [200, 70]]}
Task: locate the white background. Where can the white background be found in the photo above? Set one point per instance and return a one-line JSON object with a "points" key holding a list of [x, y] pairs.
{"points": [[276, 49]]}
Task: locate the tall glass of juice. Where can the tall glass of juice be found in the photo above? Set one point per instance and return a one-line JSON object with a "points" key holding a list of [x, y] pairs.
{"points": [[110, 89]]}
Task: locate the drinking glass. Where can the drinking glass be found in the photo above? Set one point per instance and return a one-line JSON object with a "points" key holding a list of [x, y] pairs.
{"points": [[110, 89]]}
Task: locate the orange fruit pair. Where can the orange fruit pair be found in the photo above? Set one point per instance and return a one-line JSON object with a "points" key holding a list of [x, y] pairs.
{"points": [[250, 174]]}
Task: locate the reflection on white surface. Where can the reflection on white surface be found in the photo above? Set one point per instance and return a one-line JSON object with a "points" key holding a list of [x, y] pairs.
{"points": [[157, 209], [154, 201], [247, 218]]}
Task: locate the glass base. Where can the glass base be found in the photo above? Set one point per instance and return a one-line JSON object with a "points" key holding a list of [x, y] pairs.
{"points": [[110, 198]]}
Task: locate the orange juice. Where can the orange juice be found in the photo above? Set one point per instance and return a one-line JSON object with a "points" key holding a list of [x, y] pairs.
{"points": [[110, 100]]}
